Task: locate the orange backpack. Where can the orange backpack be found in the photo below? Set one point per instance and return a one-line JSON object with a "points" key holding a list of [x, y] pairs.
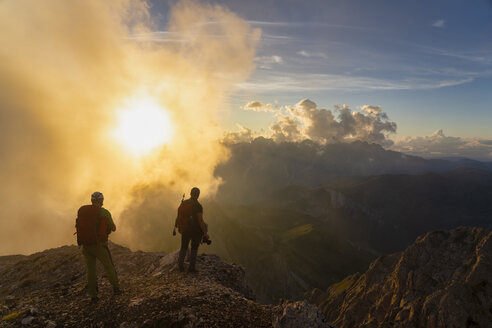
{"points": [[91, 227], [185, 211]]}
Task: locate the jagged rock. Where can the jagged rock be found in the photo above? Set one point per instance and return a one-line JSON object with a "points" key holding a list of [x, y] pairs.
{"points": [[443, 280], [33, 311], [298, 315], [27, 320], [168, 260], [136, 302], [54, 292], [50, 324]]}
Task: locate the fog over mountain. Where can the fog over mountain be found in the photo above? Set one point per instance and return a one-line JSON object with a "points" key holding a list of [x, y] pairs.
{"points": [[261, 166]]}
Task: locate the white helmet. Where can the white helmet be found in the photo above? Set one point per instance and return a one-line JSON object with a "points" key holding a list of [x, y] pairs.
{"points": [[97, 196]]}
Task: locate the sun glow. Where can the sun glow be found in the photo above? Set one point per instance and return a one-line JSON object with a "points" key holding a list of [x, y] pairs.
{"points": [[142, 125]]}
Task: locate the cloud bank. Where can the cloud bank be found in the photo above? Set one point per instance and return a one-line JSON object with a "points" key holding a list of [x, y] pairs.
{"points": [[439, 145], [305, 121], [65, 69]]}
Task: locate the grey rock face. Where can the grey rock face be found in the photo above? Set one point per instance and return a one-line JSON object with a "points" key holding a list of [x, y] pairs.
{"points": [[443, 280], [298, 315]]}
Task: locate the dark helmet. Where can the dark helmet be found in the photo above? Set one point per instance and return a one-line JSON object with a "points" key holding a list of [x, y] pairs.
{"points": [[195, 192]]}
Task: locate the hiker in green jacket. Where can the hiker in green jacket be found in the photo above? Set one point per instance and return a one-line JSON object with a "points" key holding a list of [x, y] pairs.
{"points": [[94, 224]]}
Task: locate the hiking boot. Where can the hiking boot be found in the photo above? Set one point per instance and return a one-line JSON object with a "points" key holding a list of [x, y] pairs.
{"points": [[94, 299], [192, 270], [117, 291]]}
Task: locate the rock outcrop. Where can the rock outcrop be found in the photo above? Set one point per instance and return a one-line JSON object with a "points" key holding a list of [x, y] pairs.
{"points": [[298, 314], [47, 289], [442, 280]]}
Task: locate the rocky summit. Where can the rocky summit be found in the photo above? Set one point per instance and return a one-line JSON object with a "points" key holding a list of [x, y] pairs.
{"points": [[442, 280], [48, 289]]}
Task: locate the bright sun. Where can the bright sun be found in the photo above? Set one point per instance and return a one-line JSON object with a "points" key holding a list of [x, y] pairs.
{"points": [[142, 125]]}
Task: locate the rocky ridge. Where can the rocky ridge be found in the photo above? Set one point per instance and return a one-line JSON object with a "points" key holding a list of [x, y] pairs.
{"points": [[442, 280], [47, 289]]}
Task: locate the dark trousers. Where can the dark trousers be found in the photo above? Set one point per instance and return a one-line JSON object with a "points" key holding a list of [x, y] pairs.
{"points": [[194, 238], [186, 238]]}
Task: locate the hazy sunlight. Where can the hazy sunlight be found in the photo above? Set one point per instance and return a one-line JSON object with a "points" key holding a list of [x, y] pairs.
{"points": [[142, 125]]}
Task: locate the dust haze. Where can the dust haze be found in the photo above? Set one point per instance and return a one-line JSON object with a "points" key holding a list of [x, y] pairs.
{"points": [[65, 70]]}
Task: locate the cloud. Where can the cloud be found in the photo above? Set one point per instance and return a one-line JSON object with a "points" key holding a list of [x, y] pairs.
{"points": [[243, 135], [305, 121], [65, 70], [306, 54], [261, 107], [371, 109], [440, 23], [320, 125], [311, 82], [286, 129], [439, 145], [266, 62]]}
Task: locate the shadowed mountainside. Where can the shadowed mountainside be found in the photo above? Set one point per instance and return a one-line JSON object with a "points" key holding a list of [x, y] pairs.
{"points": [[442, 280], [314, 236]]}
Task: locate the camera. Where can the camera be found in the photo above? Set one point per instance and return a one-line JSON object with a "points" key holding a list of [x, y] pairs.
{"points": [[206, 241]]}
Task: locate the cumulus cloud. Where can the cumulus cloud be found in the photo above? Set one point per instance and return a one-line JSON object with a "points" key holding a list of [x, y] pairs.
{"points": [[66, 68], [305, 121], [243, 135], [261, 107], [286, 129], [321, 125], [371, 109], [439, 145]]}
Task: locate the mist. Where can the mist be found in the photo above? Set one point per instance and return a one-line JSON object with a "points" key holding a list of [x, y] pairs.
{"points": [[66, 70]]}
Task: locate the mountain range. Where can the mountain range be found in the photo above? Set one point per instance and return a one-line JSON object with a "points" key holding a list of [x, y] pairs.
{"points": [[313, 214]]}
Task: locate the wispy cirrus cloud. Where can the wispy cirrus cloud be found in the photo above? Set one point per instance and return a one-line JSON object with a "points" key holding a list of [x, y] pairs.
{"points": [[267, 62], [308, 54], [312, 24], [297, 82], [440, 23]]}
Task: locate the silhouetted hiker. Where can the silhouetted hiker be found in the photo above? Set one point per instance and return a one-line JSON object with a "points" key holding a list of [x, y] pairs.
{"points": [[94, 223], [192, 228]]}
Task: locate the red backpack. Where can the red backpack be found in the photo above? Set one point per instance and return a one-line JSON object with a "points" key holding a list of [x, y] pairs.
{"points": [[185, 211], [91, 227]]}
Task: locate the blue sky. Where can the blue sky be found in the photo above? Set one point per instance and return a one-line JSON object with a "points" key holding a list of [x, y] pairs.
{"points": [[427, 63]]}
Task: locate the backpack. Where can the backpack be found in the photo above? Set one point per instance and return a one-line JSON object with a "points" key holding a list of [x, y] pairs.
{"points": [[91, 227], [185, 212]]}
